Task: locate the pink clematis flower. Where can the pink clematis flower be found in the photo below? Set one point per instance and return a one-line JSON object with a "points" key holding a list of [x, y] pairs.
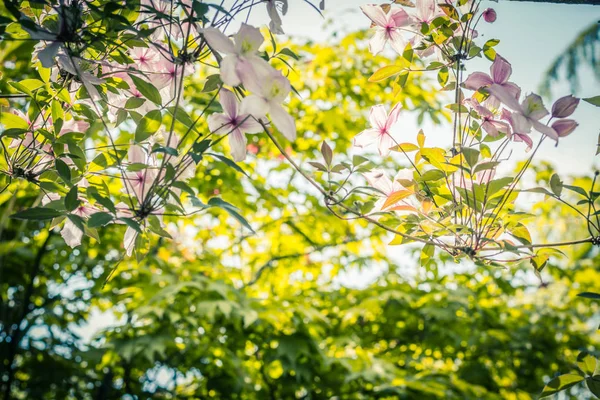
{"points": [[269, 89], [426, 11], [240, 56], [70, 232], [234, 121], [381, 123], [489, 124], [386, 27], [139, 182], [500, 71], [531, 109]]}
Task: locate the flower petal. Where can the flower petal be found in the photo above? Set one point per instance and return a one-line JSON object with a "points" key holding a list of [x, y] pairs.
{"points": [[229, 71], [386, 142], [219, 123], [229, 103], [505, 96], [477, 80], [255, 106], [377, 42], [248, 39], [71, 234], [378, 117], [397, 41], [400, 17], [129, 240], [218, 41], [375, 13], [48, 55], [283, 121], [500, 70], [544, 129], [237, 142], [366, 137], [392, 118]]}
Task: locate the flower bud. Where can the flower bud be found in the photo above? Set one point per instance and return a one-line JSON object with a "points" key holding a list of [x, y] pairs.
{"points": [[489, 15], [564, 106], [564, 127]]}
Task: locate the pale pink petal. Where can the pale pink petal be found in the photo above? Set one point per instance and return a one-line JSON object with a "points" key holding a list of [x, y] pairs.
{"points": [[518, 137], [377, 42], [219, 123], [379, 180], [129, 240], [48, 54], [254, 105], [375, 13], [495, 127], [366, 137], [425, 10], [533, 107], [283, 121], [237, 142], [400, 17], [378, 117], [136, 154], [520, 124], [229, 73], [397, 41], [544, 129], [385, 144], [71, 234], [477, 80], [392, 118], [250, 125], [513, 89], [248, 39], [229, 103], [218, 41], [506, 97], [500, 70]]}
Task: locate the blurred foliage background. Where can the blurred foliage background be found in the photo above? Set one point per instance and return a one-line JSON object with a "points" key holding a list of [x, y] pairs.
{"points": [[219, 313]]}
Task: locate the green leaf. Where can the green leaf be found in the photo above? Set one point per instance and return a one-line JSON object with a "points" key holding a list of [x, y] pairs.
{"points": [[99, 219], [130, 222], [148, 125], [229, 163], [560, 383], [213, 82], [590, 295], [386, 72], [105, 202], [556, 185], [593, 384], [12, 121], [471, 156], [37, 213], [577, 189], [232, 210], [327, 153], [587, 363], [146, 89], [442, 76], [289, 53], [63, 170], [71, 200], [595, 101]]}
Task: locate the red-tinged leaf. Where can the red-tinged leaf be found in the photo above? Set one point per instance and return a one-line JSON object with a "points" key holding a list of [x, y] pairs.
{"points": [[396, 197]]}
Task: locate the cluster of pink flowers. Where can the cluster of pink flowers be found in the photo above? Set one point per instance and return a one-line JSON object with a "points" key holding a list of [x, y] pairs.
{"points": [[520, 117], [241, 65]]}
